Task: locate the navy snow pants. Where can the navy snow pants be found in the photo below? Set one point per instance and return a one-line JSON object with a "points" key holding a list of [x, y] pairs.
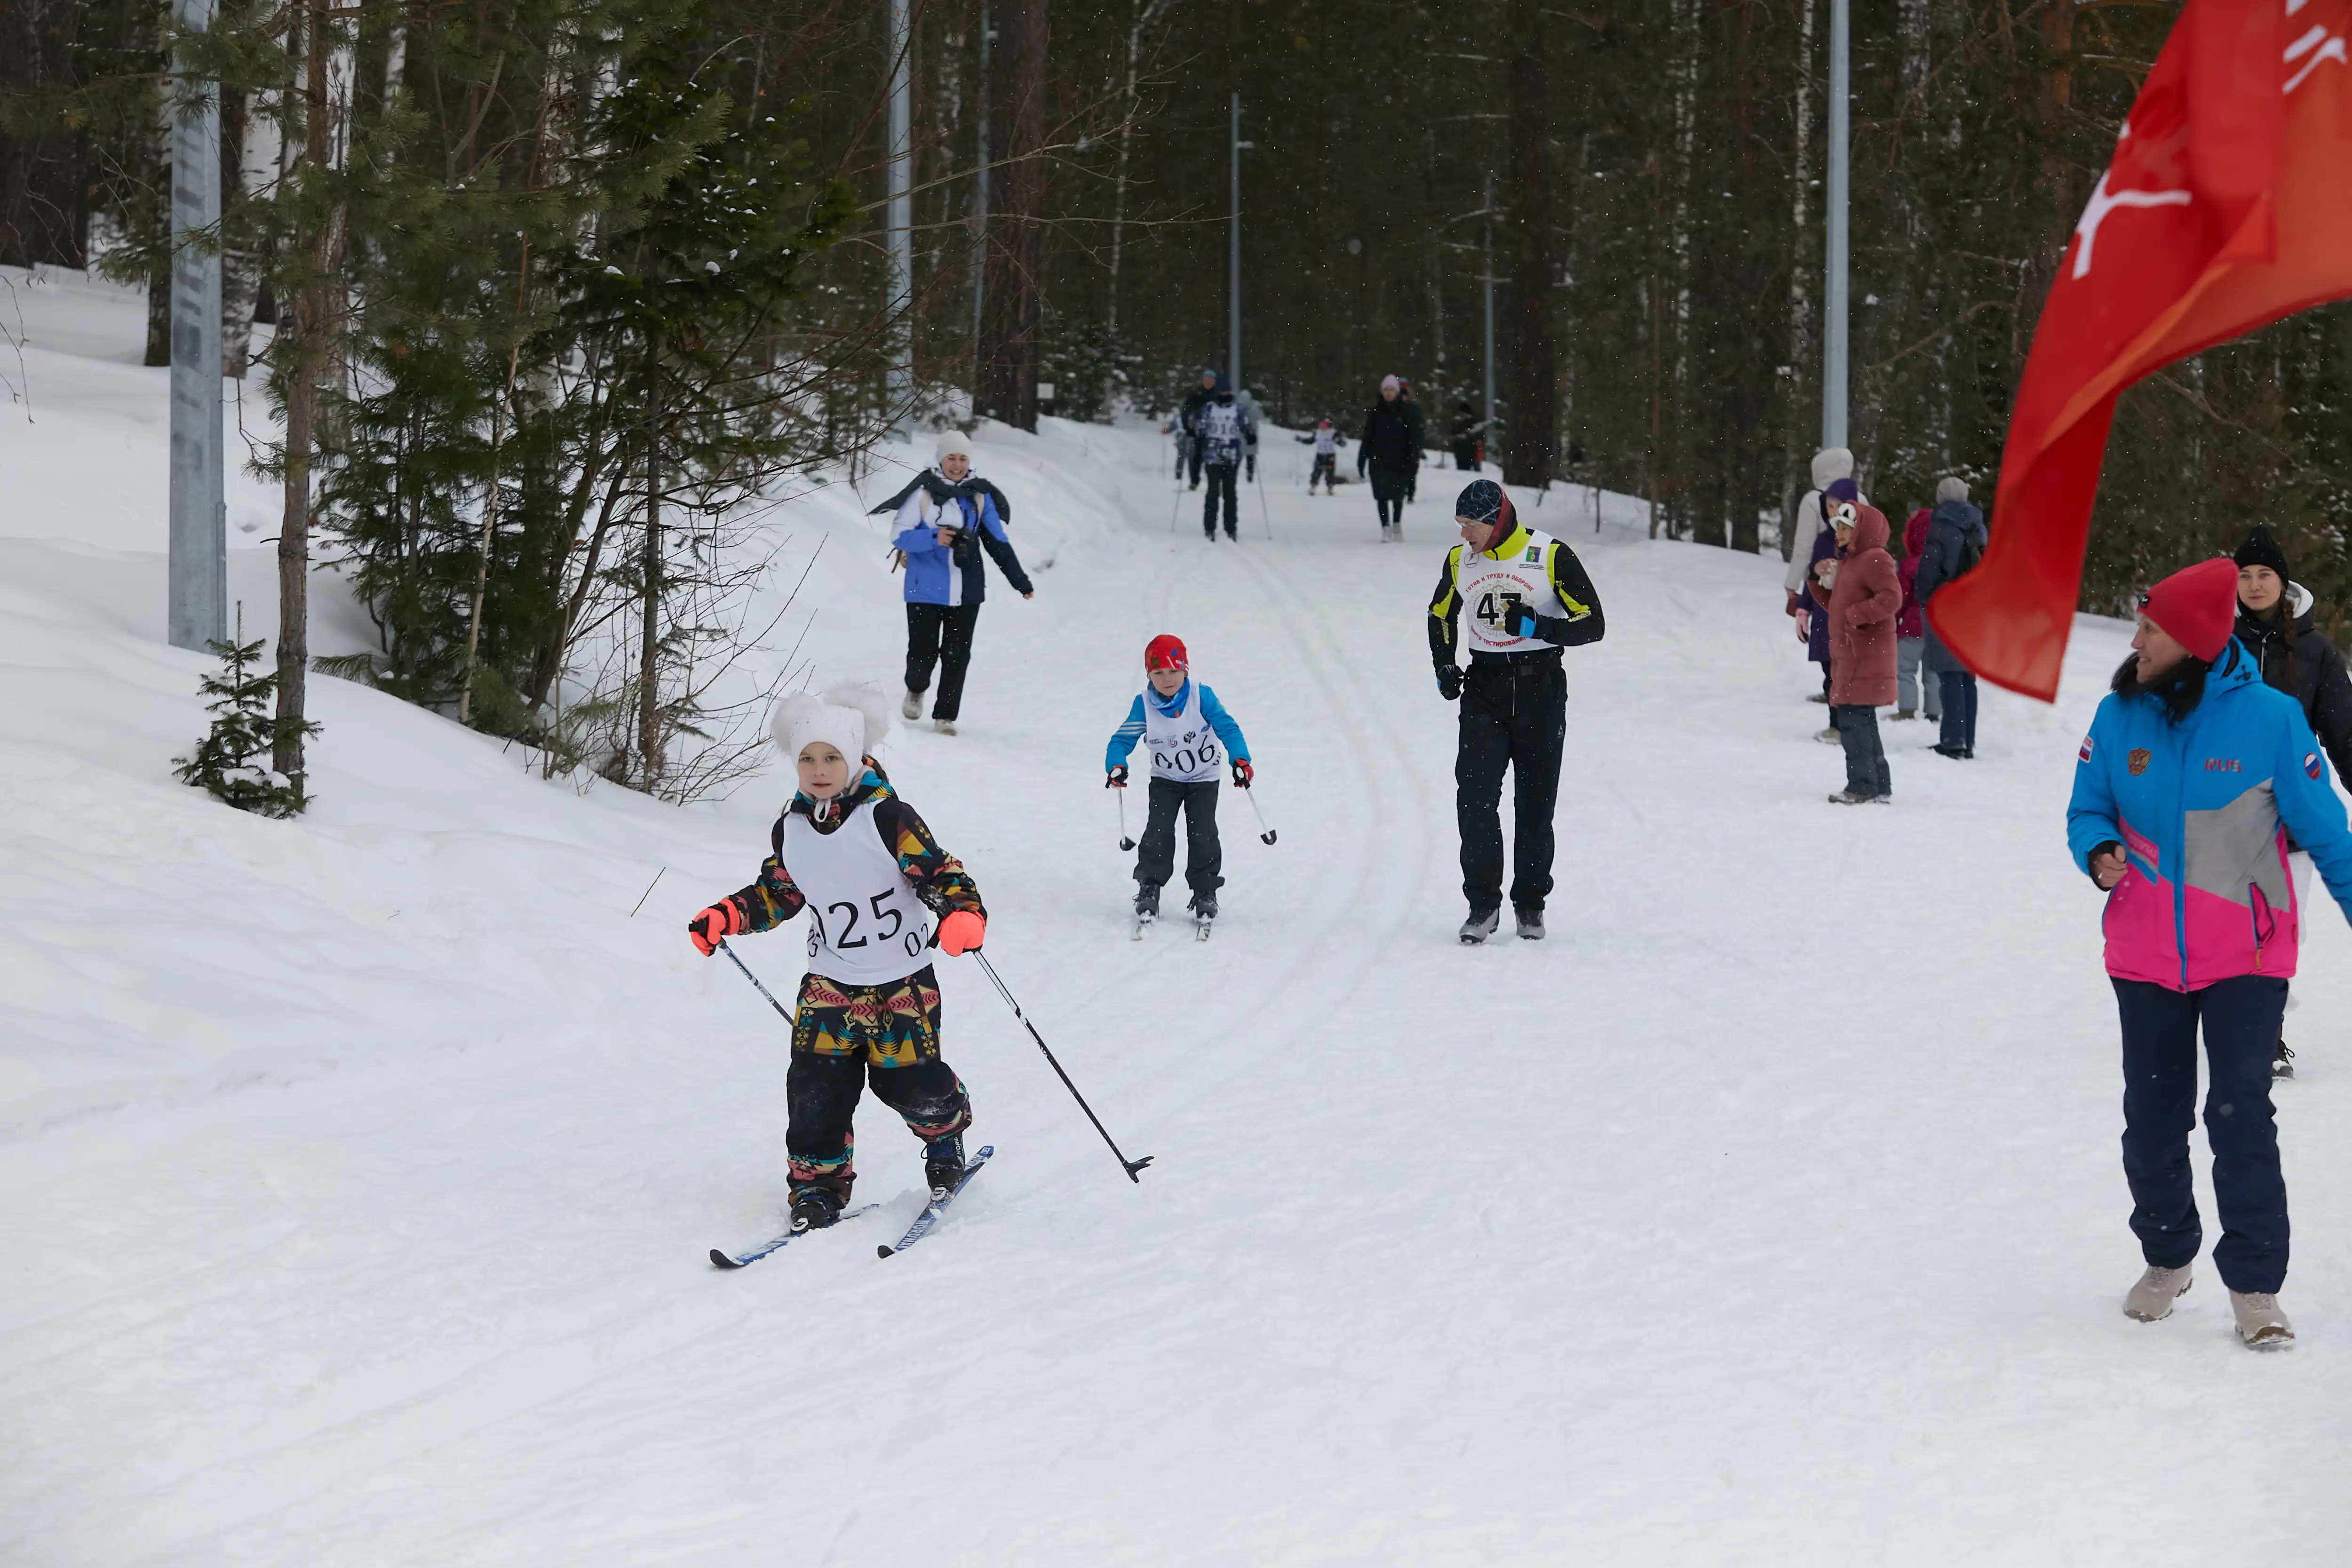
{"points": [[2241, 1016]]}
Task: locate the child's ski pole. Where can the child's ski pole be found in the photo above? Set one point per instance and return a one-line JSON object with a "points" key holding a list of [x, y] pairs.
{"points": [[1124, 841], [754, 979], [1131, 1166], [1264, 513], [1265, 837]]}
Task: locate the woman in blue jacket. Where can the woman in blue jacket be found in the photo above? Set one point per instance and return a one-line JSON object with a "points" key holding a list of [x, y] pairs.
{"points": [[2185, 789], [946, 518]]}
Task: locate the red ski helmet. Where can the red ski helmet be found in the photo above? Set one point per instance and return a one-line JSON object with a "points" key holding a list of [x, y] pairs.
{"points": [[1165, 652]]}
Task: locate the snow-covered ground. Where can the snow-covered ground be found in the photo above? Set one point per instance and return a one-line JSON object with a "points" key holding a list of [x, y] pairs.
{"points": [[361, 1169]]}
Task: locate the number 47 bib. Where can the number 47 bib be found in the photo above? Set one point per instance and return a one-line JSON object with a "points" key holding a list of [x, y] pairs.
{"points": [[1491, 590]]}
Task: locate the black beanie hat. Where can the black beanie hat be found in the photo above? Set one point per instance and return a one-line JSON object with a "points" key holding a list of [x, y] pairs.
{"points": [[2261, 549], [1483, 501]]}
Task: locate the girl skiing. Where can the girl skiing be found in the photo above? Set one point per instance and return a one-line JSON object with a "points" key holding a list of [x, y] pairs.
{"points": [[1190, 735], [871, 877]]}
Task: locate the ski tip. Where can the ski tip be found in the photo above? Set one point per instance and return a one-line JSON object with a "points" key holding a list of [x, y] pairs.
{"points": [[721, 1260], [882, 1251]]}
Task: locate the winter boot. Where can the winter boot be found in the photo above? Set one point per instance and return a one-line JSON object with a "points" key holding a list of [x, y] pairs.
{"points": [[1203, 906], [1848, 797], [1531, 924], [2260, 1322], [1829, 737], [1821, 697], [2282, 1064], [1146, 900], [943, 1162], [913, 706], [1955, 752], [944, 726], [1480, 926], [1903, 713], [814, 1208], [2150, 1301]]}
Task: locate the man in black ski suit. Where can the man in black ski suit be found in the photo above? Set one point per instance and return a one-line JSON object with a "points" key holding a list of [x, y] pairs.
{"points": [[1391, 450], [1522, 596], [1194, 401]]}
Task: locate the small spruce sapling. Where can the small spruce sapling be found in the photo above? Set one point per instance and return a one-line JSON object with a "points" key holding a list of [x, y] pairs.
{"points": [[225, 764]]}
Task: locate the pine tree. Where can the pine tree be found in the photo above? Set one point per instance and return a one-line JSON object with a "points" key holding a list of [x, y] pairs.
{"points": [[228, 764]]}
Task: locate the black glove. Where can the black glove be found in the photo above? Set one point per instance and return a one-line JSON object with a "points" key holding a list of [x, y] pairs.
{"points": [[1449, 681], [1520, 622], [1117, 778]]}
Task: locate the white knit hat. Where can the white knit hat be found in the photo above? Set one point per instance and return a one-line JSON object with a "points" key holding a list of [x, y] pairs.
{"points": [[851, 719], [1951, 488], [1832, 463], [951, 445]]}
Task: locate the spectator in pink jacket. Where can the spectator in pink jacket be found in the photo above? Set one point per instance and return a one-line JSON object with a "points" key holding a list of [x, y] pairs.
{"points": [[1911, 627]]}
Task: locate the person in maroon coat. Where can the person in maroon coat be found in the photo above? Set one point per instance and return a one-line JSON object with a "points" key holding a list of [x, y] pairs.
{"points": [[1865, 596]]}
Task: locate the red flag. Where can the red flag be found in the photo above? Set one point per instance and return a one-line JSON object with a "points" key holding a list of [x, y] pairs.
{"points": [[2229, 205]]}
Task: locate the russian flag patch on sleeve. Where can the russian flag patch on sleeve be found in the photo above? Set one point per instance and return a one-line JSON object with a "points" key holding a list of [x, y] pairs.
{"points": [[2311, 763], [2084, 754]]}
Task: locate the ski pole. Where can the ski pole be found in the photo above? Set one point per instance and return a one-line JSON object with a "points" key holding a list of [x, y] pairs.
{"points": [[754, 979], [1265, 837], [1124, 841], [1264, 513], [1131, 1166]]}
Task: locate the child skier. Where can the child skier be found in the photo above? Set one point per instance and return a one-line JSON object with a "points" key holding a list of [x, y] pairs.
{"points": [[1191, 736], [1328, 442], [871, 877]]}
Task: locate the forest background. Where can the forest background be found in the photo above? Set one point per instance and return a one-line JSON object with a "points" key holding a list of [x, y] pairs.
{"points": [[1643, 180]]}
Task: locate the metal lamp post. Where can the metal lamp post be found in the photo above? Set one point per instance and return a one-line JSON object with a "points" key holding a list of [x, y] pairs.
{"points": [[197, 570]]}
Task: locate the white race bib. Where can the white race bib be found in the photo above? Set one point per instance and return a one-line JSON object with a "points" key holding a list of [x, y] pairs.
{"points": [[1184, 748], [1492, 589], [866, 927]]}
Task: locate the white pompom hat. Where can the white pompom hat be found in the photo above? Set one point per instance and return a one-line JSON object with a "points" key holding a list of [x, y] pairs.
{"points": [[851, 719], [951, 445]]}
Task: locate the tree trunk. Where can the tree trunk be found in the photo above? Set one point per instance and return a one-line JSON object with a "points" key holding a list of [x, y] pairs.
{"points": [[300, 368], [1015, 243], [44, 175], [1800, 303], [1527, 456], [649, 736]]}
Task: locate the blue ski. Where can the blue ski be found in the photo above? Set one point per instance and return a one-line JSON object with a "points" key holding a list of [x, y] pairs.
{"points": [[937, 1206], [737, 1260]]}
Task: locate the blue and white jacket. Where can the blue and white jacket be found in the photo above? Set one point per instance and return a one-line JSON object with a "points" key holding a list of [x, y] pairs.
{"points": [[1123, 739], [952, 573]]}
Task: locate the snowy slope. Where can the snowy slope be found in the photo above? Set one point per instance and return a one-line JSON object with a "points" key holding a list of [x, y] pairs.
{"points": [[362, 1168]]}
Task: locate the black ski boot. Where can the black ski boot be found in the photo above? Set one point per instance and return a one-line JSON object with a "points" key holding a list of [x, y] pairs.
{"points": [[943, 1162], [2282, 1064], [1147, 902], [814, 1208]]}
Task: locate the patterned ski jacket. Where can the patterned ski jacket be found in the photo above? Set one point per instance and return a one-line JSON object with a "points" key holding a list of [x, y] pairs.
{"points": [[939, 879], [2197, 808]]}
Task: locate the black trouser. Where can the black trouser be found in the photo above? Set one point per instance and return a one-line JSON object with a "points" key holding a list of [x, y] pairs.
{"points": [[2241, 1023], [1865, 754], [1221, 485], [821, 1093], [1326, 469], [1192, 456], [1515, 716], [940, 635], [1388, 494], [1204, 857]]}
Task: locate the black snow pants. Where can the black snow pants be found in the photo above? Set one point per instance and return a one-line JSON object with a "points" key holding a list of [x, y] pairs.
{"points": [[1388, 491], [2241, 1016], [1221, 485], [1204, 857], [1515, 716], [1326, 469], [844, 1035], [940, 635]]}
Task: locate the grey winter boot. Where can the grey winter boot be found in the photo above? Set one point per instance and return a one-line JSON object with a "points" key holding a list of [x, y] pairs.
{"points": [[912, 708], [1531, 924], [1480, 925], [2151, 1299], [944, 726], [2260, 1322], [1830, 736]]}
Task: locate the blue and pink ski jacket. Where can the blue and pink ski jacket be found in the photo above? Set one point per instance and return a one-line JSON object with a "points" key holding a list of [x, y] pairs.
{"points": [[2197, 808]]}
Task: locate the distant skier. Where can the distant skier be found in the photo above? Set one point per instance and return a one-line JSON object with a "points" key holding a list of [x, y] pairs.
{"points": [[1522, 596], [2185, 789], [1327, 442], [1222, 429], [1390, 451], [1194, 401], [946, 518], [1255, 423], [1190, 738], [871, 877]]}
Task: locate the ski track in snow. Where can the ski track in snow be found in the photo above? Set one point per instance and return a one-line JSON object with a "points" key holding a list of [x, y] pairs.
{"points": [[362, 1170]]}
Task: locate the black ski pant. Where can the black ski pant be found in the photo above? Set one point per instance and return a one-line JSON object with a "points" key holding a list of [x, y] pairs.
{"points": [[1389, 493], [1204, 857], [2241, 1028], [1326, 469], [940, 635], [1514, 716], [1221, 487], [821, 1093], [1865, 754], [1193, 457]]}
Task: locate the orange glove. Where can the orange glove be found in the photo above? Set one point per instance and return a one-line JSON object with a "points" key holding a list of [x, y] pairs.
{"points": [[961, 932], [722, 919]]}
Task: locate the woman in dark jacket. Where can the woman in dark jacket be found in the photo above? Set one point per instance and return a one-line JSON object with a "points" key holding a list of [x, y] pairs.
{"points": [[2295, 657]]}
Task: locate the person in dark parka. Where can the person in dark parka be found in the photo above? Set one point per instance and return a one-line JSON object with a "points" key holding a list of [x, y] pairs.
{"points": [[1956, 542], [2295, 657]]}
